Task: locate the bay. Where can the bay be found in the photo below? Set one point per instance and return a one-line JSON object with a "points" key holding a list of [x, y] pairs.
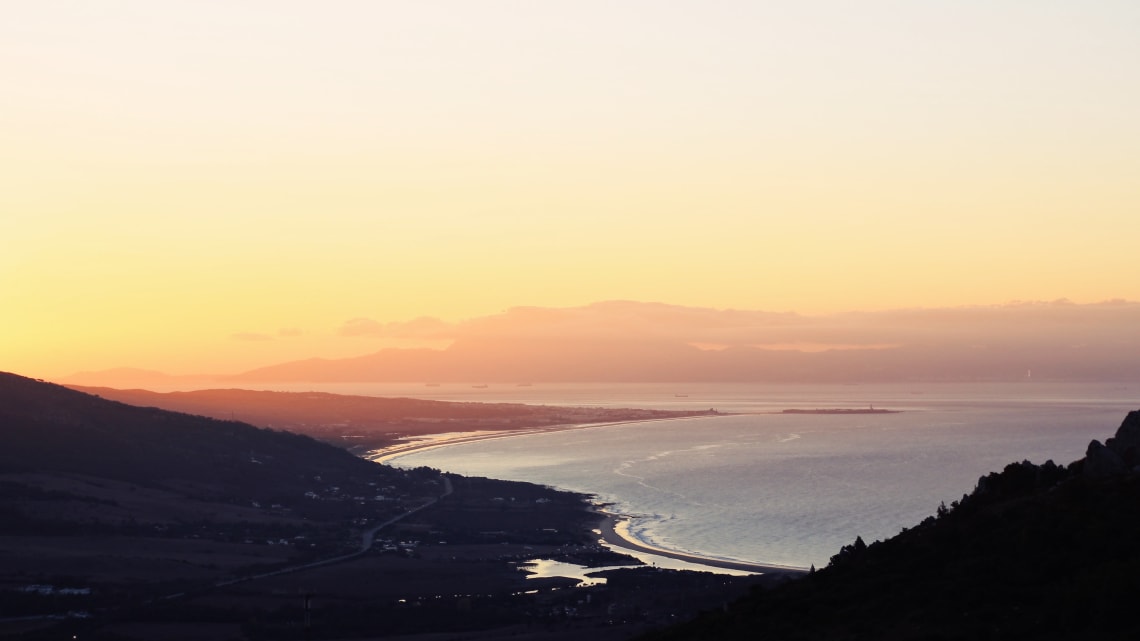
{"points": [[767, 487]]}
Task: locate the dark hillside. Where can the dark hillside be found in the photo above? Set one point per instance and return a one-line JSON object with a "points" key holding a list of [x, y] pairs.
{"points": [[48, 427], [113, 504], [1035, 552]]}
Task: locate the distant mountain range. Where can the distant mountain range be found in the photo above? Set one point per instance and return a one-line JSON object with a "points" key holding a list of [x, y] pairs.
{"points": [[621, 341], [650, 362]]}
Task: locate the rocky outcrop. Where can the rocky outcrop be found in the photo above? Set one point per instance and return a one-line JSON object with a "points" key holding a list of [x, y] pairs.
{"points": [[1126, 443], [1101, 461], [1119, 453]]}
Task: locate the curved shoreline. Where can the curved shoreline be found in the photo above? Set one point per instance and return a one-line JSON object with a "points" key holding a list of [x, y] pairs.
{"points": [[612, 535], [610, 531], [427, 442]]}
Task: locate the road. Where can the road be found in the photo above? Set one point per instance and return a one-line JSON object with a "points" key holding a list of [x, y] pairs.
{"points": [[367, 538]]}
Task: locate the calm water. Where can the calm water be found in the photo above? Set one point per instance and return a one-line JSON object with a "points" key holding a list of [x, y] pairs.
{"points": [[787, 489]]}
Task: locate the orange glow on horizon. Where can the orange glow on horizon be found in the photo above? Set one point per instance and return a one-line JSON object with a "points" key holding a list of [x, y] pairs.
{"points": [[270, 171]]}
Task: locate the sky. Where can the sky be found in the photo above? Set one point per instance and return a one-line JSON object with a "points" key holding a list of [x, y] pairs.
{"points": [[210, 187]]}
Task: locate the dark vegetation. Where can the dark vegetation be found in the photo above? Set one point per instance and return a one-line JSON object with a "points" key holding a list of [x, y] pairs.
{"points": [[1034, 552]]}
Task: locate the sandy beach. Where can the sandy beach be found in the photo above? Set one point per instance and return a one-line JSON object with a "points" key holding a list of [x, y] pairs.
{"points": [[612, 534], [432, 441]]}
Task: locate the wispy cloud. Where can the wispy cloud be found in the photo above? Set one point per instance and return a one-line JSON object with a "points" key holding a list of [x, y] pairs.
{"points": [[251, 337]]}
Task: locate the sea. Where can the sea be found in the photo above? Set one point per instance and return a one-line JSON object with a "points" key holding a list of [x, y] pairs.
{"points": [[761, 486]]}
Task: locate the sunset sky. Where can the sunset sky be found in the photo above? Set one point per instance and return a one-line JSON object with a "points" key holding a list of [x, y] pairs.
{"points": [[197, 186]]}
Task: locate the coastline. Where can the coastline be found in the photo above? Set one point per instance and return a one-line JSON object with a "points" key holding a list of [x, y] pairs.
{"points": [[433, 441], [613, 534], [611, 526]]}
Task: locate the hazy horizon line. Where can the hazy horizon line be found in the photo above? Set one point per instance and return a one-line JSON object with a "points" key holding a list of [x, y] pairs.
{"points": [[534, 339]]}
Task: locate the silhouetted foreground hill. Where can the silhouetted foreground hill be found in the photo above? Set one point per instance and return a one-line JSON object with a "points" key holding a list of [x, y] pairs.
{"points": [[1035, 552], [48, 427]]}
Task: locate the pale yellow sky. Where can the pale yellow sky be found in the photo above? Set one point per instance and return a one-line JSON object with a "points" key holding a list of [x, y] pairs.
{"points": [[194, 186]]}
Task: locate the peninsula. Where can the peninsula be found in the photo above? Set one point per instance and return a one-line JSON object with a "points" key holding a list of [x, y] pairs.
{"points": [[363, 424]]}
